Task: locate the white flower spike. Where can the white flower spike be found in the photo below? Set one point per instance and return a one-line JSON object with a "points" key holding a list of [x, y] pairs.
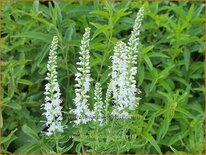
{"points": [[52, 93], [123, 83], [119, 80], [82, 86], [132, 60]]}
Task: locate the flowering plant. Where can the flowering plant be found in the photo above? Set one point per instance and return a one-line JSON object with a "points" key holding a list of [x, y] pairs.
{"points": [[121, 92], [52, 103], [93, 105]]}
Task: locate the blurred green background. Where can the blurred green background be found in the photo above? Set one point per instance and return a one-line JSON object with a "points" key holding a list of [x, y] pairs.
{"points": [[170, 65]]}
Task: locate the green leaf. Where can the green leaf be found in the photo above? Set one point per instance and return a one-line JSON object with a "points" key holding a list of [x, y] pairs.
{"points": [[105, 76], [78, 147], [31, 133], [54, 15], [59, 13], [145, 50], [152, 141], [176, 151], [28, 149], [103, 29], [118, 15], [12, 86], [140, 75], [163, 128], [6, 141], [165, 85], [7, 138], [151, 122], [154, 81], [185, 112], [177, 137], [187, 56], [102, 13], [25, 82], [148, 62], [165, 72], [151, 107], [34, 35], [43, 21], [66, 149], [190, 13], [158, 55], [15, 106], [198, 10]]}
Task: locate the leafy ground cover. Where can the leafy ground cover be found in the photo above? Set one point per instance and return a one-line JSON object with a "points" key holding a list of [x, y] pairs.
{"points": [[170, 116]]}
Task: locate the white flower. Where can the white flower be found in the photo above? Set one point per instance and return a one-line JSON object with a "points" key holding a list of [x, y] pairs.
{"points": [[52, 93], [123, 83], [83, 79], [98, 105]]}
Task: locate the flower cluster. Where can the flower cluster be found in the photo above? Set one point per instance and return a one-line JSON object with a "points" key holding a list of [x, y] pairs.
{"points": [[122, 87], [82, 112], [132, 59], [118, 81], [52, 103], [123, 83], [98, 105]]}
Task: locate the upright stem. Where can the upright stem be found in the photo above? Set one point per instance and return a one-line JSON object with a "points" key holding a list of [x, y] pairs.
{"points": [[96, 134], [57, 142], [108, 42], [81, 131]]}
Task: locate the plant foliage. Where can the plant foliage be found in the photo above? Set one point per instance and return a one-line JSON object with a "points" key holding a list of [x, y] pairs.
{"points": [[170, 117]]}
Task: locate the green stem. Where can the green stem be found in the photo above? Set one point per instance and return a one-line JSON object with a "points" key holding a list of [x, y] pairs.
{"points": [[57, 142], [81, 131], [96, 134], [108, 42]]}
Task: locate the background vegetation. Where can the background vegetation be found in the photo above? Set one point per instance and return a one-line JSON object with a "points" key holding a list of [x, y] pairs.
{"points": [[170, 68]]}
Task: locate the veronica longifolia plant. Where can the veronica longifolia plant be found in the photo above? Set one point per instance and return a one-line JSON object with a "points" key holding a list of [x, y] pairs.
{"points": [[52, 103], [82, 112], [123, 83]]}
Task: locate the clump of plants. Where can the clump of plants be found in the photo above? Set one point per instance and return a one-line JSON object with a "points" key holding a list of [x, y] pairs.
{"points": [[80, 77], [101, 128]]}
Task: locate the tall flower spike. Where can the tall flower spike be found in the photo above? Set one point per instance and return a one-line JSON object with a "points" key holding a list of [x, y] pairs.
{"points": [[82, 111], [98, 105], [52, 103], [132, 60], [123, 83], [118, 82], [134, 38]]}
